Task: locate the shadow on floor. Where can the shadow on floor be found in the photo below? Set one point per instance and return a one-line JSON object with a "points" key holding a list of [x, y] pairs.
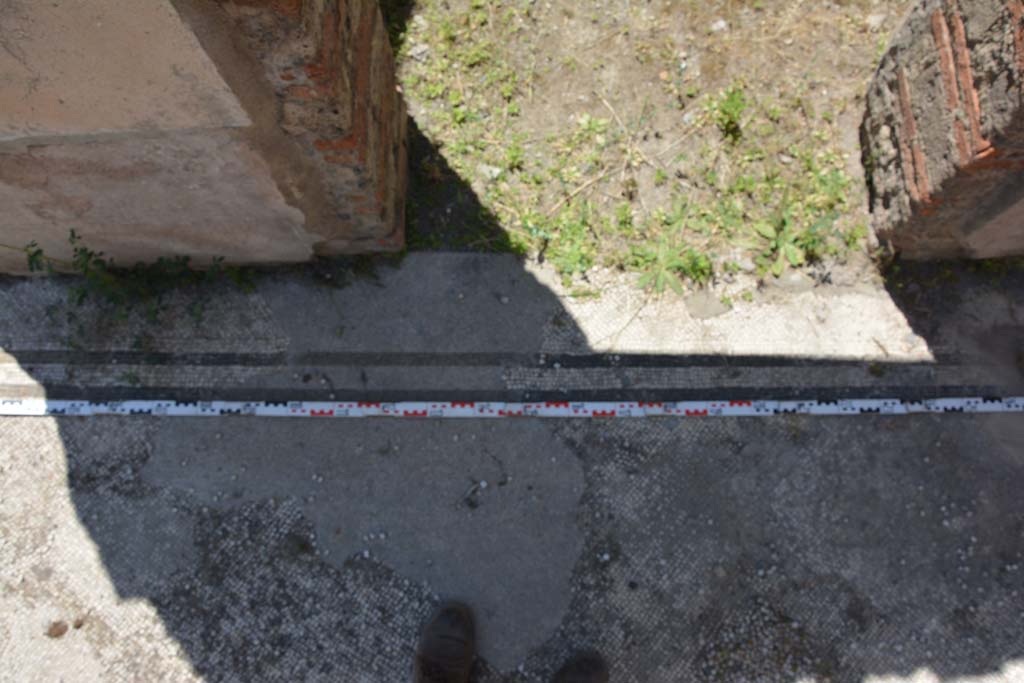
{"points": [[784, 549], [973, 307]]}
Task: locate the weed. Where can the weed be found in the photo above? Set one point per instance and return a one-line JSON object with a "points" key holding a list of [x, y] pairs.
{"points": [[515, 157], [728, 111], [665, 265], [782, 246], [572, 241], [144, 284]]}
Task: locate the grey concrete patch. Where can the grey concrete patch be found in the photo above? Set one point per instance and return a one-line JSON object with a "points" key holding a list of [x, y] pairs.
{"points": [[484, 512], [780, 551], [440, 302], [704, 304]]}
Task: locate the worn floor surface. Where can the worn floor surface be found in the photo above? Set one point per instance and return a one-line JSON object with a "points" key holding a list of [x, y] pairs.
{"points": [[787, 549]]}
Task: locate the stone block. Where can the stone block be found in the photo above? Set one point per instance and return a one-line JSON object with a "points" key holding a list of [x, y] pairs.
{"points": [[943, 136], [259, 131]]}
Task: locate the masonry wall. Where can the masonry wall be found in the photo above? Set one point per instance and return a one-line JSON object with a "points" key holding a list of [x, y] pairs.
{"points": [[268, 131], [331, 68], [943, 136]]}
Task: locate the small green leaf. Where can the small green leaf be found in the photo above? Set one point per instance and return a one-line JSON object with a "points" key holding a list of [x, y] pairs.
{"points": [[794, 254], [765, 230], [779, 266], [36, 259]]}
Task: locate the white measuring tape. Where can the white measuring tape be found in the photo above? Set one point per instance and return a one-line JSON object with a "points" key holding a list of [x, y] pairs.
{"points": [[547, 409]]}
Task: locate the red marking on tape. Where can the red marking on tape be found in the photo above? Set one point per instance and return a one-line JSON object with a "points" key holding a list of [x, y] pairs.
{"points": [[463, 404], [321, 413], [604, 413], [697, 412], [642, 404], [363, 404], [740, 403], [556, 404], [415, 413]]}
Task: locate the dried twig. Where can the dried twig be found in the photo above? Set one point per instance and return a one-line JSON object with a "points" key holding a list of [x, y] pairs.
{"points": [[569, 197], [630, 137]]}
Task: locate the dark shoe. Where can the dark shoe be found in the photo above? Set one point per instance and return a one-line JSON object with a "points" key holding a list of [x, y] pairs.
{"points": [[447, 647], [584, 667]]}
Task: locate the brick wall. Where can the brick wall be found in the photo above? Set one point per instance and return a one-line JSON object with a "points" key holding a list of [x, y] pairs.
{"points": [[331, 67], [943, 136]]}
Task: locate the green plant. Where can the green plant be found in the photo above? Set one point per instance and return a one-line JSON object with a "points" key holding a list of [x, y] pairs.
{"points": [[37, 260], [782, 247], [664, 265], [728, 111], [515, 157], [572, 245], [144, 284]]}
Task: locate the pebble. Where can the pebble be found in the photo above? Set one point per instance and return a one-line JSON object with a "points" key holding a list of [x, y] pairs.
{"points": [[875, 21], [719, 26], [488, 172], [420, 52], [793, 280]]}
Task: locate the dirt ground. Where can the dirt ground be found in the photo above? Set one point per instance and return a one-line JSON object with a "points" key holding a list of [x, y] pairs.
{"points": [[678, 143]]}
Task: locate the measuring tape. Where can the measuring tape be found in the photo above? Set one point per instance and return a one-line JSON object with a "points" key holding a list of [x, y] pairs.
{"points": [[547, 409]]}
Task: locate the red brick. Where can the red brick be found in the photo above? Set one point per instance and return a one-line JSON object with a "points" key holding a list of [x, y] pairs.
{"points": [[966, 76], [914, 167]]}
